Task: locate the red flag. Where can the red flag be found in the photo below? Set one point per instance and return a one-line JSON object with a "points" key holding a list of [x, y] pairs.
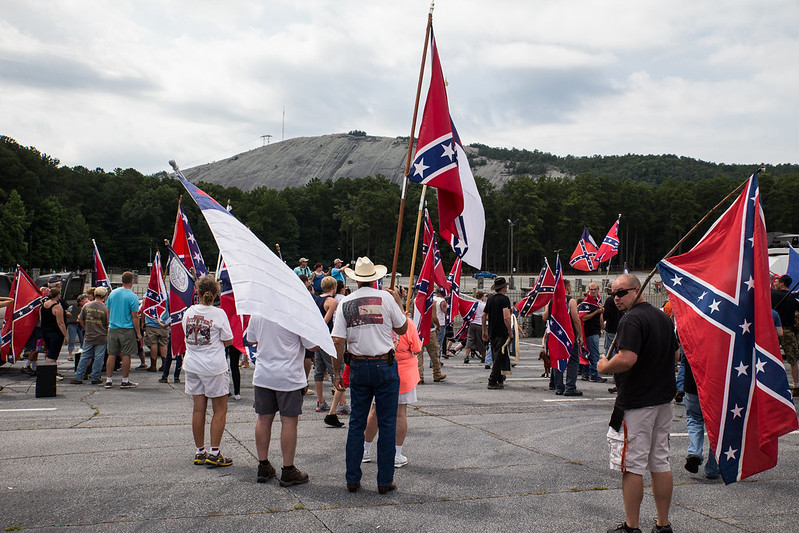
{"points": [[20, 317], [589, 305], [99, 269], [721, 297], [423, 313], [429, 243], [610, 245], [541, 293], [179, 242], [584, 256], [454, 293], [227, 302], [561, 333], [154, 303]]}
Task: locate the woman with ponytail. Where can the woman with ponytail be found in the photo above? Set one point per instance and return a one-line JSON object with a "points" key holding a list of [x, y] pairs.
{"points": [[207, 333]]}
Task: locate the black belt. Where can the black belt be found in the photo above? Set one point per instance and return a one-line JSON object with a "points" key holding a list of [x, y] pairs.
{"points": [[365, 357]]}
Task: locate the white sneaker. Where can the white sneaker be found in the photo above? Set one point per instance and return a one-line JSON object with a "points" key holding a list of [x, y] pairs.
{"points": [[367, 457], [237, 396], [400, 461]]}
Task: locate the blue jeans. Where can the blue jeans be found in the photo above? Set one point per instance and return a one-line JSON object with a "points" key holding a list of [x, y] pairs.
{"points": [[94, 352], [442, 337], [608, 341], [168, 362], [489, 358], [74, 336], [592, 341], [681, 372], [572, 369], [372, 378], [695, 423]]}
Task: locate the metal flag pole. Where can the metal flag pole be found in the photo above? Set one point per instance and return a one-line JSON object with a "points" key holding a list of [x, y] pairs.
{"points": [[410, 154], [680, 243]]}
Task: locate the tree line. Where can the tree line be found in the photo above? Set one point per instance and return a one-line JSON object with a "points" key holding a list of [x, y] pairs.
{"points": [[49, 214]]}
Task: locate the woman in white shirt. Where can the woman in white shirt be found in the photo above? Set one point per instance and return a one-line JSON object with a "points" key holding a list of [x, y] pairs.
{"points": [[207, 333]]}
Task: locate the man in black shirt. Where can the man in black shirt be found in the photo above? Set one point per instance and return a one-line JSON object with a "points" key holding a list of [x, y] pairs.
{"points": [[784, 303], [611, 316], [497, 329], [639, 432]]}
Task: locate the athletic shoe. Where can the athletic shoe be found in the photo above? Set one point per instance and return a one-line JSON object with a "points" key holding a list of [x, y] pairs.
{"points": [[109, 384], [367, 457], [692, 463], [292, 476], [661, 529], [59, 377], [400, 461], [343, 409], [333, 421], [265, 472], [163, 380], [237, 397], [322, 407], [624, 528], [128, 385], [199, 458], [75, 381], [212, 461]]}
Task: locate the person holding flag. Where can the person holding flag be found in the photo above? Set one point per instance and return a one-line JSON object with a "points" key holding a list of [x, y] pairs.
{"points": [[497, 329]]}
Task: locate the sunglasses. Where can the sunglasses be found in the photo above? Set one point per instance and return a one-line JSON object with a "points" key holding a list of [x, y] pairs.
{"points": [[621, 293]]}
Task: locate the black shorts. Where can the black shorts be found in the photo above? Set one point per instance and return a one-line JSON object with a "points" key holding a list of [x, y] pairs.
{"points": [[269, 402]]}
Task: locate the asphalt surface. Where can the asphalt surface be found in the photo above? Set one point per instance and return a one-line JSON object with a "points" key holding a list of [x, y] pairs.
{"points": [[518, 459]]}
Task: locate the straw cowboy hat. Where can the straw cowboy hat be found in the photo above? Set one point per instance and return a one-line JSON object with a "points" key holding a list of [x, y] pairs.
{"points": [[365, 270]]}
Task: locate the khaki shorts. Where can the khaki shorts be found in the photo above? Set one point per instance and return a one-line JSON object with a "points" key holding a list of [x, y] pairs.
{"points": [[156, 335], [789, 347], [122, 341], [208, 386], [643, 442]]}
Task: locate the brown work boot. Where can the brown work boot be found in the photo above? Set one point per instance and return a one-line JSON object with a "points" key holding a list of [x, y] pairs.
{"points": [[292, 476], [440, 377]]}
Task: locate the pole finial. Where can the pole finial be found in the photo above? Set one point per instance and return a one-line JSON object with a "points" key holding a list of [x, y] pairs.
{"points": [[432, 6], [173, 165]]}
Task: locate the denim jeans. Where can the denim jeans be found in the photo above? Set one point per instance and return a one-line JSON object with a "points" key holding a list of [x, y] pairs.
{"points": [[372, 378], [608, 341], [442, 344], [681, 372], [695, 423], [489, 357], [592, 341], [74, 336], [95, 353]]}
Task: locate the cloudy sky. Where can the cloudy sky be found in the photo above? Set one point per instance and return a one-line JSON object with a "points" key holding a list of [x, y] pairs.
{"points": [[134, 83]]}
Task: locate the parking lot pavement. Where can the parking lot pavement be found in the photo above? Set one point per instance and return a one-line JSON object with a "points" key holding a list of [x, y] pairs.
{"points": [[518, 459]]}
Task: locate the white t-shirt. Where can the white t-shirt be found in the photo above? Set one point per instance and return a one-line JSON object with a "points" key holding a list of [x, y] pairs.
{"points": [[478, 314], [280, 364], [440, 313], [366, 318], [205, 327]]}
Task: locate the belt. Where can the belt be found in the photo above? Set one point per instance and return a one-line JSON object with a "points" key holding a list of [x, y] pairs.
{"points": [[365, 357]]}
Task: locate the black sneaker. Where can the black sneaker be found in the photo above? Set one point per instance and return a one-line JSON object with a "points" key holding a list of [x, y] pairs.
{"points": [[292, 476], [128, 385], [692, 463], [624, 528], [265, 472], [199, 458], [212, 461], [163, 380], [661, 529], [466, 361], [573, 393], [495, 386], [333, 421], [109, 384]]}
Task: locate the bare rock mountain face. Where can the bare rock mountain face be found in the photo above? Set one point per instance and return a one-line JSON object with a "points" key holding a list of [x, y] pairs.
{"points": [[295, 162]]}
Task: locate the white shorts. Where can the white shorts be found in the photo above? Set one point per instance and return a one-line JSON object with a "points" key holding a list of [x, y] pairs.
{"points": [[643, 442], [407, 397], [208, 386]]}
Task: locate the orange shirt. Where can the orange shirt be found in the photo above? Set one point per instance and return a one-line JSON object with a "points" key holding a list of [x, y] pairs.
{"points": [[405, 348]]}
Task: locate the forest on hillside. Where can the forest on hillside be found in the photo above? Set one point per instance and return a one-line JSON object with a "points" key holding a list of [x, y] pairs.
{"points": [[49, 212]]}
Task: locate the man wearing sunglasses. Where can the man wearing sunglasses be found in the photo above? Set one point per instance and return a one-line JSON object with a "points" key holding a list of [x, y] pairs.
{"points": [[639, 427]]}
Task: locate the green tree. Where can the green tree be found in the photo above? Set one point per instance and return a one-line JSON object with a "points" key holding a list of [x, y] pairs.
{"points": [[13, 225]]}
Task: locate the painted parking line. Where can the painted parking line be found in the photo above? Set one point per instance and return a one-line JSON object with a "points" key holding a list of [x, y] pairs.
{"points": [[581, 400], [32, 409]]}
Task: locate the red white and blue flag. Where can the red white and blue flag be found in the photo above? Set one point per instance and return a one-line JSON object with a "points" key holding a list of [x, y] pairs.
{"points": [[185, 245], [561, 333], [181, 297], [468, 308], [228, 304], [428, 243], [588, 305], [441, 162], [154, 303], [724, 322], [584, 256], [20, 317], [610, 245], [425, 289], [101, 277], [454, 292], [541, 293]]}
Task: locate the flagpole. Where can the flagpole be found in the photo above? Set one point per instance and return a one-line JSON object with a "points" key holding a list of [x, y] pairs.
{"points": [[410, 154], [415, 248], [680, 243]]}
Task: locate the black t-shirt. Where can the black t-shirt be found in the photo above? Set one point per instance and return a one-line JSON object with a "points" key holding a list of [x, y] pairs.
{"points": [[786, 307], [593, 326], [496, 317], [648, 332], [611, 315]]}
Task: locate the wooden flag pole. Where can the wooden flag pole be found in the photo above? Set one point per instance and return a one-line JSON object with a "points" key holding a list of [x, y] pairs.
{"points": [[410, 153], [680, 243], [415, 248]]}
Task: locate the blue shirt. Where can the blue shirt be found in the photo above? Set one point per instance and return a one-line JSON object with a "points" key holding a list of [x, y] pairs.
{"points": [[337, 274], [121, 303]]}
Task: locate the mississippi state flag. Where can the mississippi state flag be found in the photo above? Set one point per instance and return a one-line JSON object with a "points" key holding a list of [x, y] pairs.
{"points": [[561, 333], [610, 245], [181, 297], [441, 162], [185, 245], [721, 298], [154, 303], [584, 256], [540, 294], [101, 278], [21, 316]]}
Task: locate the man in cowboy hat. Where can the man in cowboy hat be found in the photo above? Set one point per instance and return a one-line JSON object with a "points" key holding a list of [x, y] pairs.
{"points": [[364, 323], [496, 329]]}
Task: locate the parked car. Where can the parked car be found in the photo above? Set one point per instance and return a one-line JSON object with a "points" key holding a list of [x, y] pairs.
{"points": [[485, 274]]}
